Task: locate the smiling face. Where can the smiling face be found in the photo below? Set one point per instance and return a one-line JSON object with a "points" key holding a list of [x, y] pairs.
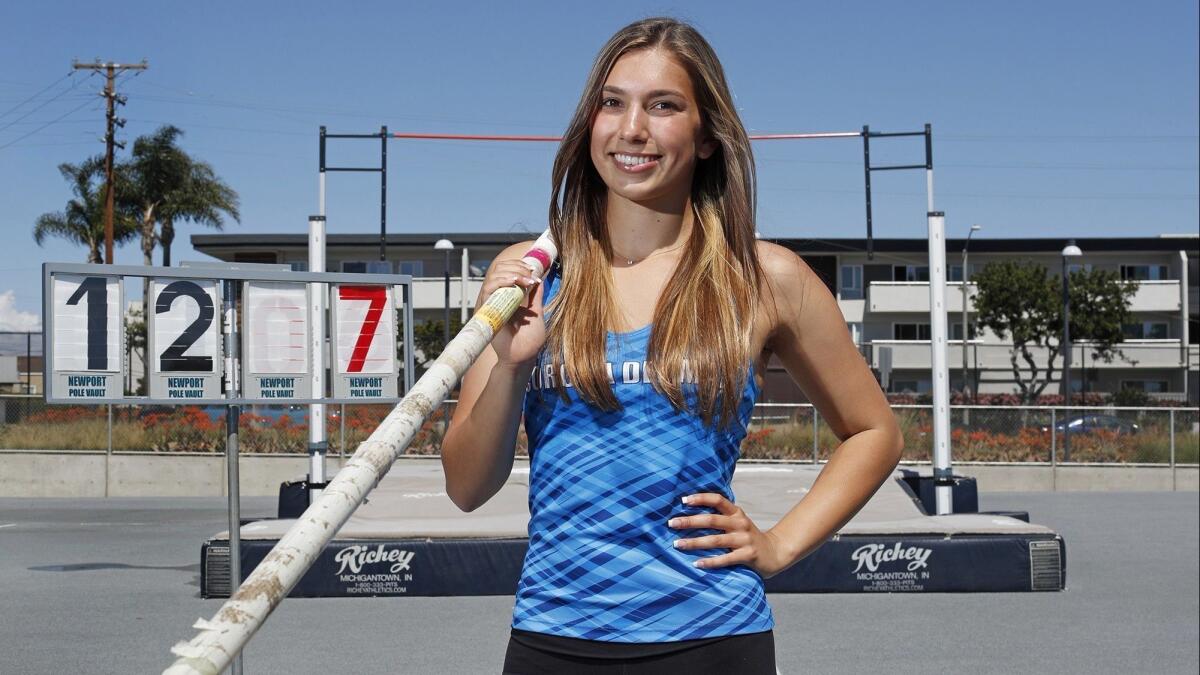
{"points": [[647, 134]]}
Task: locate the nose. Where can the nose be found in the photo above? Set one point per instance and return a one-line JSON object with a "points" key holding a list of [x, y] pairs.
{"points": [[633, 125]]}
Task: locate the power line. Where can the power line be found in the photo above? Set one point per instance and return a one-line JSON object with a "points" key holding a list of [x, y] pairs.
{"points": [[48, 88], [44, 104], [21, 138]]}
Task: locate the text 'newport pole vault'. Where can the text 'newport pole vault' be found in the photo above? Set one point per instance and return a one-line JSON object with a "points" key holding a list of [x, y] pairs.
{"points": [[221, 638]]}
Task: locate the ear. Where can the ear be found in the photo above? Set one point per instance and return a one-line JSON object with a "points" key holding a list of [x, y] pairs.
{"points": [[707, 147]]}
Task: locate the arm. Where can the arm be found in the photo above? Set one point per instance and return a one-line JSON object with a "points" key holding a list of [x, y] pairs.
{"points": [[812, 341], [808, 333], [478, 448]]}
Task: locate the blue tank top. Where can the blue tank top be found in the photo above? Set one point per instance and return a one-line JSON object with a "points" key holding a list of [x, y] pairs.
{"points": [[601, 564]]}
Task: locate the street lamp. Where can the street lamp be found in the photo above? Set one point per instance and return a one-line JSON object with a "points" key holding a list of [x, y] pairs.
{"points": [[1069, 251], [966, 245], [446, 246]]}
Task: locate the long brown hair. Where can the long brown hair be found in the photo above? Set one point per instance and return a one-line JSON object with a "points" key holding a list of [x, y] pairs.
{"points": [[705, 315]]}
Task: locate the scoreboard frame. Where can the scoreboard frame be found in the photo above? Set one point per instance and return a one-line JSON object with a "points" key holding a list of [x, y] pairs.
{"points": [[56, 393]]}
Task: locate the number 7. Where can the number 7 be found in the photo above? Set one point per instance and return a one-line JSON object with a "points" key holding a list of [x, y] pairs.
{"points": [[377, 296]]}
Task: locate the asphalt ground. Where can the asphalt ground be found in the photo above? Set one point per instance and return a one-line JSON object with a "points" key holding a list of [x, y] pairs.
{"points": [[108, 585]]}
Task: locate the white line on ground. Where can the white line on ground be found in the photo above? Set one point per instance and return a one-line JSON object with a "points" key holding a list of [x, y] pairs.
{"points": [[7, 525]]}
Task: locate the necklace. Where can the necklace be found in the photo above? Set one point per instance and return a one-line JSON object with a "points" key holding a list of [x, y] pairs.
{"points": [[630, 262]]}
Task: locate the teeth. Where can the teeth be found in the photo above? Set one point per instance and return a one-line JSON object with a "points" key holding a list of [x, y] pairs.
{"points": [[632, 160]]}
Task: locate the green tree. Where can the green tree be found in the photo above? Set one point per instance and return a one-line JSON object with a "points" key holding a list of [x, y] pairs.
{"points": [[82, 221], [429, 338], [169, 186], [1023, 303]]}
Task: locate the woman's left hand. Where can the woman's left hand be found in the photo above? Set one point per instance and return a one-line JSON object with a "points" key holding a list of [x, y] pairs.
{"points": [[748, 545]]}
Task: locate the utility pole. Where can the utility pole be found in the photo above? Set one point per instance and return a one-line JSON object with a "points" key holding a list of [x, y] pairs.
{"points": [[112, 97]]}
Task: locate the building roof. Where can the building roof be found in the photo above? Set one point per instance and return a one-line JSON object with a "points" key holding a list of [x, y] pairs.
{"points": [[206, 243]]}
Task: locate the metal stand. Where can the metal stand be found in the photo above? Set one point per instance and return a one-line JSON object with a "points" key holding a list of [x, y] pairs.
{"points": [[233, 415]]}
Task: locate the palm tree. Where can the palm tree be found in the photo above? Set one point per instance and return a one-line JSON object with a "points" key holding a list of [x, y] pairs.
{"points": [[170, 185], [83, 219], [201, 199]]}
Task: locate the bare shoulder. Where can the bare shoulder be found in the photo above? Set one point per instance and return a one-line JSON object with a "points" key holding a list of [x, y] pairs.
{"points": [[514, 252], [786, 273]]}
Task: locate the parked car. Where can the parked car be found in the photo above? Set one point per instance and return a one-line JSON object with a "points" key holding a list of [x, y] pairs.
{"points": [[1088, 423]]}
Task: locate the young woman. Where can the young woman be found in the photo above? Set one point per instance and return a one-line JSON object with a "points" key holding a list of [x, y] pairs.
{"points": [[636, 365]]}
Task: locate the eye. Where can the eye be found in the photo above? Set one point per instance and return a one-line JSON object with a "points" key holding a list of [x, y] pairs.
{"points": [[609, 102], [664, 105]]}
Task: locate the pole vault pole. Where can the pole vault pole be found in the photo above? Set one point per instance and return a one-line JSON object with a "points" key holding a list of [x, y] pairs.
{"points": [[223, 637]]}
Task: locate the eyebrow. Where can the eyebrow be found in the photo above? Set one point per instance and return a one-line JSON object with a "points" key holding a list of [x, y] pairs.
{"points": [[650, 94]]}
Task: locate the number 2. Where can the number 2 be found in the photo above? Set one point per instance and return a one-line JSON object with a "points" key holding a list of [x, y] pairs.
{"points": [[377, 296], [172, 359]]}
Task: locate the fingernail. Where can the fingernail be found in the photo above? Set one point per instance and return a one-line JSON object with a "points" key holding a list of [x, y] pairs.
{"points": [[698, 563], [687, 500], [678, 543], [674, 522]]}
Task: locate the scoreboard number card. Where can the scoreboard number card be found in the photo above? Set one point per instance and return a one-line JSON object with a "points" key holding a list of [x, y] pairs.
{"points": [[184, 336], [88, 337], [275, 359], [364, 342]]}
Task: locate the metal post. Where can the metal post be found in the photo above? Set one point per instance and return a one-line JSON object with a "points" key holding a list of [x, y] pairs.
{"points": [[29, 363], [1066, 377], [463, 299], [1174, 483], [816, 445], [942, 472], [383, 139], [866, 136], [446, 332], [1053, 450], [232, 419], [108, 452], [318, 444], [321, 175], [342, 433]]}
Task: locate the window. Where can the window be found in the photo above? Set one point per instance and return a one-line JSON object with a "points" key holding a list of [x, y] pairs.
{"points": [[910, 272], [415, 268], [910, 331], [1143, 272], [856, 329], [910, 387], [1146, 330], [850, 284], [1148, 386], [956, 330], [367, 266], [954, 273], [1079, 267], [299, 265]]}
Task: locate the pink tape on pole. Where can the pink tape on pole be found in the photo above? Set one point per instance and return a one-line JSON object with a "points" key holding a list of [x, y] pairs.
{"points": [[540, 256]]}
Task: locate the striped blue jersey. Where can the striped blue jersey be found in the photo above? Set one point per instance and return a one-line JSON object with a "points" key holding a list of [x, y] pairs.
{"points": [[601, 564]]}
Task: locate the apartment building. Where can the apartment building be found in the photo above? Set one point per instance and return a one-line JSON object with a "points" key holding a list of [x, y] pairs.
{"points": [[884, 299]]}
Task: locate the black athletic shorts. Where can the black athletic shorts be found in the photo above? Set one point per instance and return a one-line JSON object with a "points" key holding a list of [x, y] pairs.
{"points": [[540, 654]]}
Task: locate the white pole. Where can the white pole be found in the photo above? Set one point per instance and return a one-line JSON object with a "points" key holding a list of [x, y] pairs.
{"points": [[942, 473], [224, 636], [1184, 354], [464, 297], [317, 444]]}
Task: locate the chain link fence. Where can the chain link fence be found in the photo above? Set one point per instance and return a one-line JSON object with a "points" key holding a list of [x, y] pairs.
{"points": [[1003, 434]]}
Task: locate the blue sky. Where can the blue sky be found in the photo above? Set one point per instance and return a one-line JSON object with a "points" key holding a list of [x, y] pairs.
{"points": [[1050, 118]]}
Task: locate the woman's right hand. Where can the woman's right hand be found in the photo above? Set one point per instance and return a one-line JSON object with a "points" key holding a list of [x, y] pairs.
{"points": [[519, 341]]}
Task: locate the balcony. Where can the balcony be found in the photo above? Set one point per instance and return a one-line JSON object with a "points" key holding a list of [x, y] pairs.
{"points": [[913, 296], [915, 355]]}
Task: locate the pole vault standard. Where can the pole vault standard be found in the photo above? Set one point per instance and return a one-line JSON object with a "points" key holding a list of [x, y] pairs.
{"points": [[942, 471], [227, 633]]}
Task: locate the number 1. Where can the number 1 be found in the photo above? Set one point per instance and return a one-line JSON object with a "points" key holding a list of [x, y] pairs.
{"points": [[96, 290]]}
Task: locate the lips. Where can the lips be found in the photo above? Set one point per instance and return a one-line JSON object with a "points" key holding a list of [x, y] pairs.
{"points": [[635, 163]]}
